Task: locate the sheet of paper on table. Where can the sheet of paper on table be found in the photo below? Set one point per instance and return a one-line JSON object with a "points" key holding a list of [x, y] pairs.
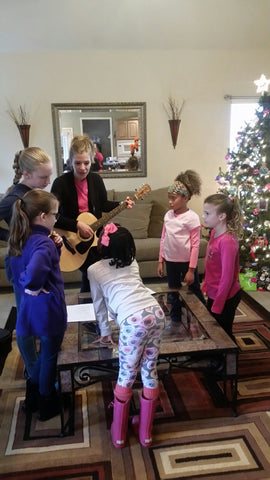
{"points": [[81, 313], [84, 312]]}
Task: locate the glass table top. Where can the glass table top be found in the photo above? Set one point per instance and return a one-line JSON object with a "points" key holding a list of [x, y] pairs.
{"points": [[188, 328]]}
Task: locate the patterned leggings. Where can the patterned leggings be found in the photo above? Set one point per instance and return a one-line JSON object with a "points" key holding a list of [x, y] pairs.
{"points": [[139, 343]]}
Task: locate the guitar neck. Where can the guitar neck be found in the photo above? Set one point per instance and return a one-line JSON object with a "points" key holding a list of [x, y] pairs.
{"points": [[107, 216]]}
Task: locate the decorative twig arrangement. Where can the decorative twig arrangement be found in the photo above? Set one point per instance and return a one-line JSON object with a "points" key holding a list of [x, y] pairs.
{"points": [[174, 111], [20, 118]]}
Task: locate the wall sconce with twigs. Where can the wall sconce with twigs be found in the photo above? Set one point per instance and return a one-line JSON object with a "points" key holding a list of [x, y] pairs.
{"points": [[21, 120], [174, 113]]}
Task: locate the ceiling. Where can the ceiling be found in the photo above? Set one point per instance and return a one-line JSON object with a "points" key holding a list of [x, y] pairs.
{"points": [[46, 25]]}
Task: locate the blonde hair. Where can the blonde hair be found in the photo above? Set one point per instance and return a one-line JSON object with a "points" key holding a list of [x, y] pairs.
{"points": [[231, 207], [25, 209], [81, 144], [191, 180], [28, 160]]}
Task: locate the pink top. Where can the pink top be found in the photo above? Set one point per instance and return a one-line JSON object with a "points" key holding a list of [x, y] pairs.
{"points": [[82, 193], [99, 157], [180, 239], [221, 280]]}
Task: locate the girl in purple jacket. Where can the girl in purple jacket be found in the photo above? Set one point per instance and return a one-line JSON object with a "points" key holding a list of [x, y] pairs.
{"points": [[34, 252]]}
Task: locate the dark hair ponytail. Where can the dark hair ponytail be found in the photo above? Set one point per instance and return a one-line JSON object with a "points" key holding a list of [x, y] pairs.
{"points": [[121, 248]]}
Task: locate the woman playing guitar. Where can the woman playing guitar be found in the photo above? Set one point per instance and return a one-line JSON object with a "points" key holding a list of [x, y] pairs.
{"points": [[78, 191]]}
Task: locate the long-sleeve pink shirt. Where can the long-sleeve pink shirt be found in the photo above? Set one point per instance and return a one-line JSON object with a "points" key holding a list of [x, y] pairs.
{"points": [[180, 238], [221, 277]]}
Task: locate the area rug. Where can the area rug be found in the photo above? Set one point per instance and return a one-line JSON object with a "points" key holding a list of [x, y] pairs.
{"points": [[101, 471], [228, 448], [45, 435], [195, 434]]}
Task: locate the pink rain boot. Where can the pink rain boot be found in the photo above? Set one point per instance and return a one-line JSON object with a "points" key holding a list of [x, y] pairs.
{"points": [[120, 422], [143, 424]]}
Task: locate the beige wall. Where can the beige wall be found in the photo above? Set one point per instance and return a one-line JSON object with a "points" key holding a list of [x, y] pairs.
{"points": [[202, 78]]}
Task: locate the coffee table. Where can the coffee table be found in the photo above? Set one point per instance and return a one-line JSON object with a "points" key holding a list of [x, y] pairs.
{"points": [[198, 342]]}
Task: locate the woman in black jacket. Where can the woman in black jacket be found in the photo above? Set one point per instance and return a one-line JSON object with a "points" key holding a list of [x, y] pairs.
{"points": [[78, 191]]}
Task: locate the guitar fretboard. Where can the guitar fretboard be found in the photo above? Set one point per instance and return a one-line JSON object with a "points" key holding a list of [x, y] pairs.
{"points": [[107, 216]]}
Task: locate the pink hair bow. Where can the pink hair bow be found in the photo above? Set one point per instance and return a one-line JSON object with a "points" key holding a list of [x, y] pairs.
{"points": [[109, 228]]}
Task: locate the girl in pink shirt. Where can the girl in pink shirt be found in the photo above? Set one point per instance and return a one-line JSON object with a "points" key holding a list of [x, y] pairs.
{"points": [[221, 282], [180, 240]]}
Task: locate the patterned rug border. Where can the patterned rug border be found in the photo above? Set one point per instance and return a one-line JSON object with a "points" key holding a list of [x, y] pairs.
{"points": [[244, 312], [98, 471], [250, 434], [64, 442]]}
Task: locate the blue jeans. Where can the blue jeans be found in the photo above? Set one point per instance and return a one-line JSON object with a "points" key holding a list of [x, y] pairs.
{"points": [[44, 370], [28, 350]]}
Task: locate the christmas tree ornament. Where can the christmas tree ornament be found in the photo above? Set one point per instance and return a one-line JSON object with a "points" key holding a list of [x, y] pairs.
{"points": [[264, 171]]}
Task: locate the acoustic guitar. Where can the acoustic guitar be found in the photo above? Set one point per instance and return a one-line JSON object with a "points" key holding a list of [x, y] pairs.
{"points": [[75, 248]]}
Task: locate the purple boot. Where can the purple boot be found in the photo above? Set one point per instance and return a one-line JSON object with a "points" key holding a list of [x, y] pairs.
{"points": [[120, 422]]}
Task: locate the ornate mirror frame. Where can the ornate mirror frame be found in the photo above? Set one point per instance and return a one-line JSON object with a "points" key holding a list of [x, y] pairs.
{"points": [[116, 125]]}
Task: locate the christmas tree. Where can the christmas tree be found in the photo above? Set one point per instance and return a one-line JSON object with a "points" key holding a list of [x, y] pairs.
{"points": [[248, 178]]}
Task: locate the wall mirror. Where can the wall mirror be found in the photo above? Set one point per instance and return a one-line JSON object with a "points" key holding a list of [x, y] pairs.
{"points": [[115, 128]]}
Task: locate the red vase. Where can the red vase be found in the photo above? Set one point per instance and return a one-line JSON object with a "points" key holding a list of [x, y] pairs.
{"points": [[174, 127], [24, 132]]}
